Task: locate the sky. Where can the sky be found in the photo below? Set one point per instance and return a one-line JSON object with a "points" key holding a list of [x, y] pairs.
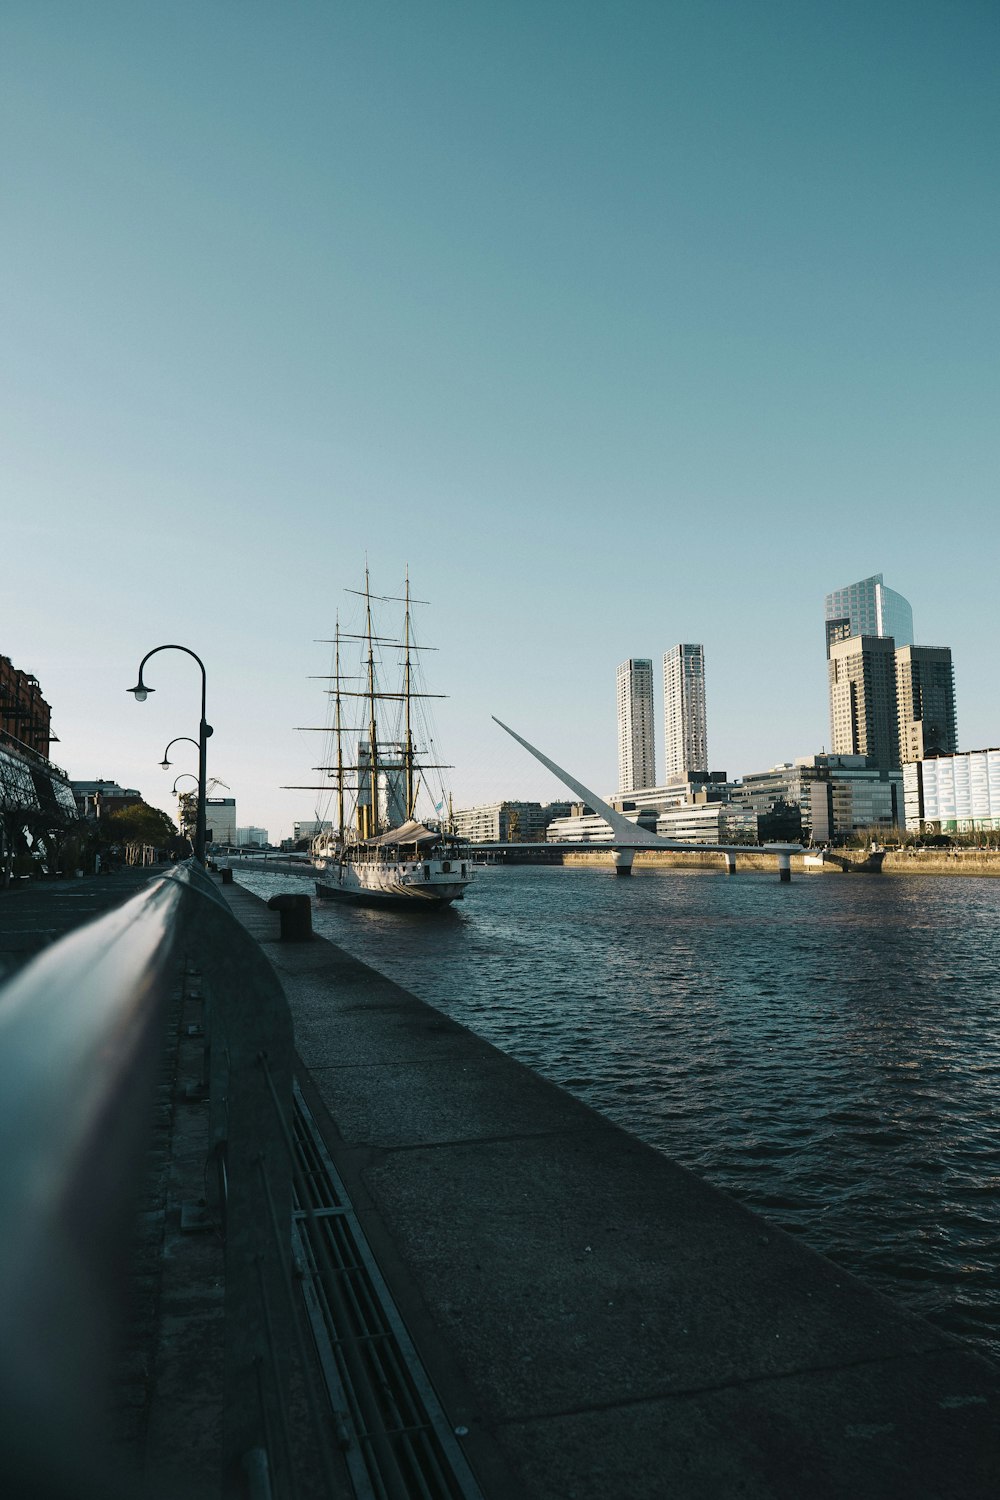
{"points": [[617, 324]]}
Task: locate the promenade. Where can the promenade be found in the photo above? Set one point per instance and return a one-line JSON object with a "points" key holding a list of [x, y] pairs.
{"points": [[596, 1322], [34, 915]]}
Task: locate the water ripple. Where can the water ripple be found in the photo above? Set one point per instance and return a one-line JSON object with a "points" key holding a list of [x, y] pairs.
{"points": [[826, 1051]]}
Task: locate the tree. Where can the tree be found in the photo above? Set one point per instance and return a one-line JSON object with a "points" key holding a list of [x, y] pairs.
{"points": [[136, 827]]}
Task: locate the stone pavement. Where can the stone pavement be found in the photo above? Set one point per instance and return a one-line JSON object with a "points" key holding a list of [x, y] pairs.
{"points": [[598, 1322], [36, 913]]}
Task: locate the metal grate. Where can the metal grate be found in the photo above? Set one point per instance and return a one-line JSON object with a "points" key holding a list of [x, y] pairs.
{"points": [[396, 1439]]}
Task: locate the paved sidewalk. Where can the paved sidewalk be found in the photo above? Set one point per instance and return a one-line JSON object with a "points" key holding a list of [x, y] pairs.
{"points": [[603, 1324], [34, 915]]}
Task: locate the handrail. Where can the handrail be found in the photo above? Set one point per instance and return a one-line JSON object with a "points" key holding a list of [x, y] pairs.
{"points": [[81, 1028]]}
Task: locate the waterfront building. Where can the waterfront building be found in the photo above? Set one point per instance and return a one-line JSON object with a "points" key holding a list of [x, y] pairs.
{"points": [[822, 798], [24, 714], [581, 825], [251, 836], [30, 782], [687, 786], [953, 793], [30, 785], [93, 798], [925, 702], [868, 608], [306, 828], [220, 819], [863, 713], [636, 745], [709, 823], [507, 822], [685, 732]]}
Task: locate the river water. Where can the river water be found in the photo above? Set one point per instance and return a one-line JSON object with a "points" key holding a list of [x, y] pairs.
{"points": [[827, 1051]]}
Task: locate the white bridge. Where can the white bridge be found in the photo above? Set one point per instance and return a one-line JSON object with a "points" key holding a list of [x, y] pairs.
{"points": [[628, 836]]}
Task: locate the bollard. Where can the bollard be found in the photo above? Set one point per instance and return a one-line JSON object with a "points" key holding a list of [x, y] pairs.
{"points": [[296, 917], [227, 875]]}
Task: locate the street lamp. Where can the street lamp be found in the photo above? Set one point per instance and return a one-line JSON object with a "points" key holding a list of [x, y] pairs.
{"points": [[141, 692], [181, 778], [165, 764]]}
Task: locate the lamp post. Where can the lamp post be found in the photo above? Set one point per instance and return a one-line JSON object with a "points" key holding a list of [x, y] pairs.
{"points": [[165, 764], [142, 692]]}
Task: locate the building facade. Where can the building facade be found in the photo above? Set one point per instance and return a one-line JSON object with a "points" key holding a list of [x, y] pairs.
{"points": [[581, 825], [220, 820], [925, 702], [96, 797], [308, 828], [245, 837], [953, 793], [823, 798], [507, 822], [709, 823], [689, 786], [868, 608], [31, 783], [636, 740], [685, 730], [24, 714], [863, 713]]}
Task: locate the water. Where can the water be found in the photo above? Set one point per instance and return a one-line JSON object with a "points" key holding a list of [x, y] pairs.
{"points": [[826, 1051]]}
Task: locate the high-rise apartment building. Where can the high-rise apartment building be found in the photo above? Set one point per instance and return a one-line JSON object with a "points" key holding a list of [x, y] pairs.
{"points": [[925, 702], [863, 713], [685, 731], [868, 608], [636, 747]]}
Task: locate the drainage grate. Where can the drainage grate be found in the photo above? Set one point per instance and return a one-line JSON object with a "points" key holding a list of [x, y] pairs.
{"points": [[396, 1440]]}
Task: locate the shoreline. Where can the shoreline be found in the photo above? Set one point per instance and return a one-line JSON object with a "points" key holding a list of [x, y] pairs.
{"points": [[985, 862]]}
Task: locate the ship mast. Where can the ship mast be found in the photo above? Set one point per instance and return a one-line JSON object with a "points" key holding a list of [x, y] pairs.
{"points": [[371, 818], [337, 731], [411, 796]]}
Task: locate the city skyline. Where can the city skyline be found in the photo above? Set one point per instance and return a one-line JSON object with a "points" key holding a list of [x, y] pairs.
{"points": [[651, 327]]}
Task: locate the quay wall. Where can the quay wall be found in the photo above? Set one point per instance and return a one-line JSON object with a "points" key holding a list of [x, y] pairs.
{"points": [[897, 862]]}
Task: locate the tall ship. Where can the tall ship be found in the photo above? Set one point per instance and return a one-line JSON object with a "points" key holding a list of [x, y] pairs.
{"points": [[379, 850]]}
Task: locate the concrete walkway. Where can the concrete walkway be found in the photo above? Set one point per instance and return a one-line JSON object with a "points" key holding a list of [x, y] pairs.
{"points": [[605, 1325], [38, 912]]}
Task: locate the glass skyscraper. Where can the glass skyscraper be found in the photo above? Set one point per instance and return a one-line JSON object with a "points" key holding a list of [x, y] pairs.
{"points": [[868, 608]]}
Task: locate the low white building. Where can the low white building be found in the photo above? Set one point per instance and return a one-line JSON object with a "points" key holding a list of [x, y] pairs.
{"points": [[581, 826], [506, 822], [953, 793]]}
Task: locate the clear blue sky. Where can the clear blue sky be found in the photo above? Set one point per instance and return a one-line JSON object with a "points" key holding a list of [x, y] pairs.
{"points": [[621, 324]]}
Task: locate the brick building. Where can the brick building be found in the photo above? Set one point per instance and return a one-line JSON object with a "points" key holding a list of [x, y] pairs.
{"points": [[24, 713]]}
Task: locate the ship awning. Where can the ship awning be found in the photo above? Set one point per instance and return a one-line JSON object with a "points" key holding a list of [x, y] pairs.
{"points": [[407, 833]]}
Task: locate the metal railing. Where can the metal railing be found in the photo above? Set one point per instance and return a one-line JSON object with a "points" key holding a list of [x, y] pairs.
{"points": [[81, 1030]]}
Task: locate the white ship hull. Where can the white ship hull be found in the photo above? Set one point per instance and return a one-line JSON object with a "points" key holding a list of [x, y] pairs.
{"points": [[416, 883]]}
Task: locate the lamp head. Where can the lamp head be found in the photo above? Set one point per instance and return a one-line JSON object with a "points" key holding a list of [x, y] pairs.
{"points": [[141, 691], [165, 764]]}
